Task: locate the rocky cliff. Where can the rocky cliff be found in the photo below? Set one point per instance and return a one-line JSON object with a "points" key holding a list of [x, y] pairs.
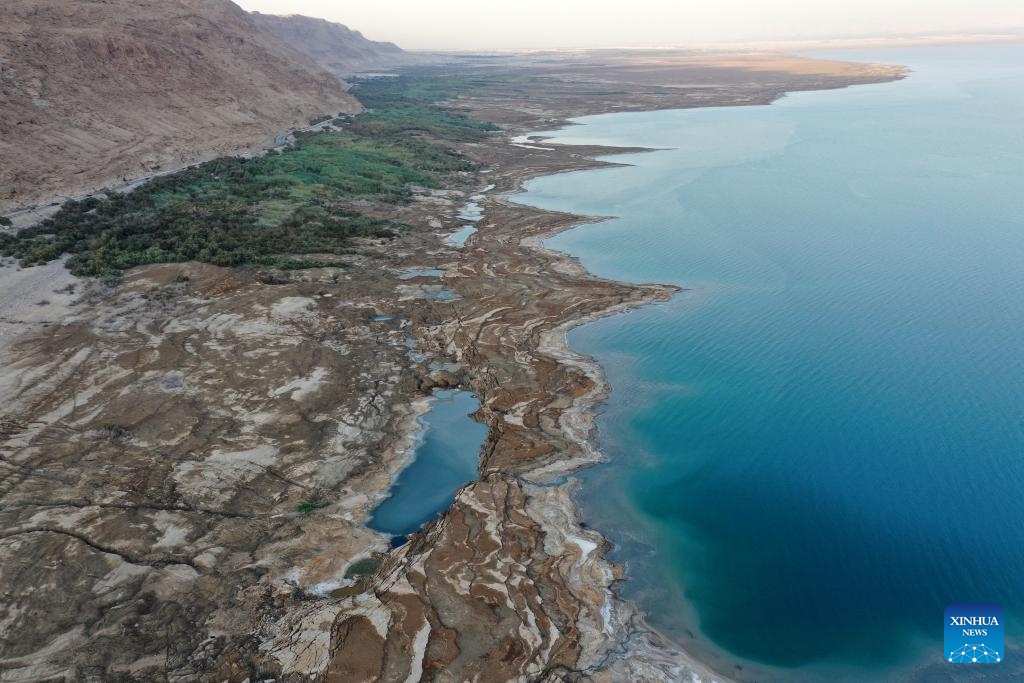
{"points": [[94, 90], [335, 47]]}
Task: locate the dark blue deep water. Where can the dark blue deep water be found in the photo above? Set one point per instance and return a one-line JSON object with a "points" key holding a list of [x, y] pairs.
{"points": [[445, 460], [820, 444]]}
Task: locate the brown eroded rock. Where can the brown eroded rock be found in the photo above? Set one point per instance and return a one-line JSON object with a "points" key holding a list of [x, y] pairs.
{"points": [[333, 46], [94, 90], [161, 436]]}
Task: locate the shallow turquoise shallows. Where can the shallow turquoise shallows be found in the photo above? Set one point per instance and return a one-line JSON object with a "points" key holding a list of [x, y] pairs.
{"points": [[820, 444], [446, 459]]}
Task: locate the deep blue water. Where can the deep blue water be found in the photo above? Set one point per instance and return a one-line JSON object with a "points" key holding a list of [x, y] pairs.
{"points": [[820, 444], [446, 459]]}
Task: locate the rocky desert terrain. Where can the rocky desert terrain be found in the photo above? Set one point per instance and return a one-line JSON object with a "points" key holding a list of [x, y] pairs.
{"points": [[190, 453], [97, 90], [334, 46]]}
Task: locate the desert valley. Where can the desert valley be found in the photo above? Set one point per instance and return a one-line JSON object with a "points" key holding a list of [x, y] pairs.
{"points": [[246, 258]]}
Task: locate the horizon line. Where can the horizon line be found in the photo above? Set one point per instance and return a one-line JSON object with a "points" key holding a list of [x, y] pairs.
{"points": [[1017, 35]]}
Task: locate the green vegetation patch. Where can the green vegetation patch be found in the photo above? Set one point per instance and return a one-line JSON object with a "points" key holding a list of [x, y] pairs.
{"points": [[364, 568], [415, 87], [405, 119], [310, 506], [271, 210], [361, 572]]}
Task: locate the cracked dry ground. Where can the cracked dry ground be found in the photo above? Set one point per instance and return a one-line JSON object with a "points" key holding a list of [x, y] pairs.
{"points": [[157, 441]]}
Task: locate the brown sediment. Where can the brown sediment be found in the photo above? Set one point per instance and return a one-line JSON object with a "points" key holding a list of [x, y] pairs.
{"points": [[510, 561], [159, 437], [517, 525]]}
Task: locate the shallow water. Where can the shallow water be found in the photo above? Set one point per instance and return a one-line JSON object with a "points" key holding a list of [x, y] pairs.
{"points": [[413, 273], [472, 211], [819, 445], [460, 236], [440, 295], [445, 459]]}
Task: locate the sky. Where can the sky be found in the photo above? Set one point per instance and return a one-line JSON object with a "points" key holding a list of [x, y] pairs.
{"points": [[478, 24]]}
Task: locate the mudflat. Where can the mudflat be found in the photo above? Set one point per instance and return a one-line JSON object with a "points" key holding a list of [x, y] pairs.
{"points": [[190, 453]]}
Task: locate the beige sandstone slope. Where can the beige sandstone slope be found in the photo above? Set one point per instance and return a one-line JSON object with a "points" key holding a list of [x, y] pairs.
{"points": [[94, 90], [333, 46]]}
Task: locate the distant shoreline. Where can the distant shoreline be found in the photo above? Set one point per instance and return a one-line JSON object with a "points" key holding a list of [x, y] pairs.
{"points": [[641, 642], [322, 435]]}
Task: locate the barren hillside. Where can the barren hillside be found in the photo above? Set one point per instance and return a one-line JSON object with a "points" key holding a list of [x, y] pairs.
{"points": [[335, 47], [94, 90]]}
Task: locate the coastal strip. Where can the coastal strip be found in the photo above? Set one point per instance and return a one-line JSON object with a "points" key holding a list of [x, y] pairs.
{"points": [[542, 601], [217, 437]]}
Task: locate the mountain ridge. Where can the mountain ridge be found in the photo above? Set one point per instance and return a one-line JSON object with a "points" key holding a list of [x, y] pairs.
{"points": [[97, 90], [333, 46]]}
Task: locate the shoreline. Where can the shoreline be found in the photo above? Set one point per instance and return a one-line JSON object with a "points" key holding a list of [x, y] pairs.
{"points": [[511, 551], [636, 641], [635, 644], [507, 584]]}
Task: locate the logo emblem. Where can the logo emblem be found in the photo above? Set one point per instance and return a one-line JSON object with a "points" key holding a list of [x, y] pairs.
{"points": [[974, 633]]}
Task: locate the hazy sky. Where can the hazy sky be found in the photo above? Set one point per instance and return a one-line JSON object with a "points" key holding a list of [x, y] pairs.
{"points": [[474, 24]]}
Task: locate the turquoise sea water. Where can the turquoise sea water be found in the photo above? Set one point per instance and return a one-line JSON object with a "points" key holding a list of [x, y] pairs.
{"points": [[460, 236], [820, 444], [445, 459]]}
